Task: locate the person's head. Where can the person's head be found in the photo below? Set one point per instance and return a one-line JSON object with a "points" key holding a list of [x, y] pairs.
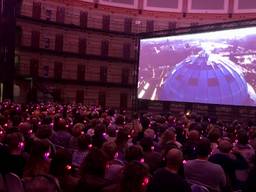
{"points": [[214, 135], [77, 129], [44, 132], [119, 120], [122, 137], [61, 163], [149, 133], [110, 149], [2, 134], [225, 146], [15, 142], [174, 159], [194, 135], [135, 177], [40, 149], [203, 148], [111, 131], [168, 135], [94, 163], [242, 137], [60, 124], [25, 128], [83, 142], [147, 144], [133, 153]]}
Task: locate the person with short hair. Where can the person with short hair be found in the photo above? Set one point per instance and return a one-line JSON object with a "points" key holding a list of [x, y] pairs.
{"points": [[200, 171], [167, 179]]}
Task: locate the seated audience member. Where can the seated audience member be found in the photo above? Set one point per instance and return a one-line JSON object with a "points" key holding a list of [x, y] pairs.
{"points": [[12, 158], [167, 137], [251, 180], [244, 148], [111, 132], [190, 145], [167, 179], [41, 183], [134, 178], [202, 172], [99, 135], [224, 159], [60, 136], [122, 142], [134, 153], [38, 162], [76, 132], [45, 132], [114, 167], [92, 172], [152, 158], [80, 153], [61, 168]]}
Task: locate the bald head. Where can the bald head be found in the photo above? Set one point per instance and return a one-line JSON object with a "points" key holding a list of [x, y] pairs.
{"points": [[174, 158]]}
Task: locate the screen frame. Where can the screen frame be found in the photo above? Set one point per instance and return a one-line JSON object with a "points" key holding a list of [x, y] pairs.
{"points": [[189, 31]]}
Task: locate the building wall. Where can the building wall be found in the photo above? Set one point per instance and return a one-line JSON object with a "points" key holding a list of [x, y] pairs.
{"points": [[118, 34]]}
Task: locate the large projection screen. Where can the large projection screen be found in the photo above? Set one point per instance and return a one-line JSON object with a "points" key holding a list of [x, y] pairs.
{"points": [[216, 67]]}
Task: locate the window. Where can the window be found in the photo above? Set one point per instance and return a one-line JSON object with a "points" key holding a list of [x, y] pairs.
{"points": [[80, 96], [125, 76], [126, 50], [17, 62], [34, 65], [35, 39], [106, 22], [128, 25], [102, 99], [18, 36], [59, 42], [150, 26], [83, 19], [123, 101], [82, 46], [60, 15], [80, 72], [103, 73], [48, 14], [104, 48], [47, 42], [57, 95], [58, 67], [46, 71], [36, 12]]}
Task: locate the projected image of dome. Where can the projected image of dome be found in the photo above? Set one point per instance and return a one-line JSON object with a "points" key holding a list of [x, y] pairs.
{"points": [[207, 78]]}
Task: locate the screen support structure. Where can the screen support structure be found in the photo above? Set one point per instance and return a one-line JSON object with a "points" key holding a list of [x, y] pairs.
{"points": [[135, 75]]}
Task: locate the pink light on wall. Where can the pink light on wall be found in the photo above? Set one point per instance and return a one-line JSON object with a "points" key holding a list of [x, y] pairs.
{"points": [[163, 3], [207, 4]]}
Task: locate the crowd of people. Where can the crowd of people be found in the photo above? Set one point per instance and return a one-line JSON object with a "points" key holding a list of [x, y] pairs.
{"points": [[52, 147]]}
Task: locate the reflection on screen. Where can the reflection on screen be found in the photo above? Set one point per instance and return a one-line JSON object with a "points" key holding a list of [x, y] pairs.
{"points": [[215, 67]]}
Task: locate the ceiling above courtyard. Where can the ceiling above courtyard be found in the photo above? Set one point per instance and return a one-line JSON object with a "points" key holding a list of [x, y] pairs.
{"points": [[191, 6]]}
